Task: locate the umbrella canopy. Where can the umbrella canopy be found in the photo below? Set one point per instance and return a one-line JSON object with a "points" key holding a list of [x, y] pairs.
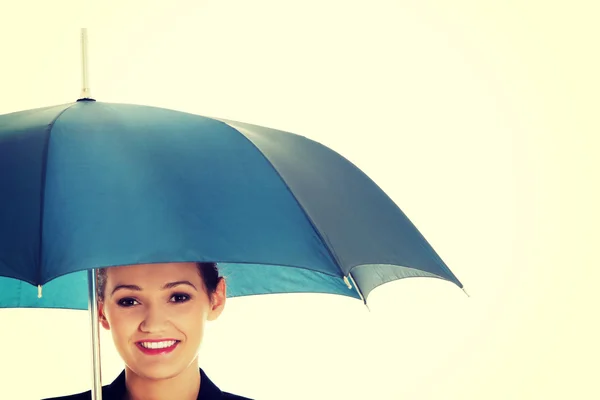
{"points": [[90, 184]]}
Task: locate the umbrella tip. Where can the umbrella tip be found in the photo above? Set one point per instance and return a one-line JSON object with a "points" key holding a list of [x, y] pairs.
{"points": [[39, 291], [464, 290]]}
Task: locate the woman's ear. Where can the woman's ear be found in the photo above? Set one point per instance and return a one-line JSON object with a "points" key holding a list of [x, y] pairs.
{"points": [[218, 300], [102, 316]]}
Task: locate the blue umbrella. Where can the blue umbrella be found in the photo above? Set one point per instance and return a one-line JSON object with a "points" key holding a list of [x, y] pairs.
{"points": [[89, 185]]}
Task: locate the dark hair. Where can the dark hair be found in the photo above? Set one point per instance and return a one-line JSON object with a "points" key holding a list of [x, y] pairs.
{"points": [[209, 272]]}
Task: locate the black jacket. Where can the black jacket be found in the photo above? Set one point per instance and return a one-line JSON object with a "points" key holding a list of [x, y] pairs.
{"points": [[117, 389]]}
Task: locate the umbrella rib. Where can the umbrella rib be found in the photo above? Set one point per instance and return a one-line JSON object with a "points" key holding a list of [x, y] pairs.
{"points": [[48, 132], [309, 219], [358, 290]]}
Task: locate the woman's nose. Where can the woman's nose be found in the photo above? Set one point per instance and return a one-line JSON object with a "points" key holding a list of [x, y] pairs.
{"points": [[155, 319]]}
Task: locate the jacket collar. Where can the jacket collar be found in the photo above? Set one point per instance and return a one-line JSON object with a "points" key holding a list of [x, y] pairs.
{"points": [[208, 390]]}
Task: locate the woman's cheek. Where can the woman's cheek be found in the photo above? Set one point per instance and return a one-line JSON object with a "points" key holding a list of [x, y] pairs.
{"points": [[181, 313], [125, 317]]}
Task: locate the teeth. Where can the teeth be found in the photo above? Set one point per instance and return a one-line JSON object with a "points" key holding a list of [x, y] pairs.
{"points": [[158, 345]]}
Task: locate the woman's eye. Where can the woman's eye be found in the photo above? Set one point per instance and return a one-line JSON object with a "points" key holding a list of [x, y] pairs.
{"points": [[180, 298], [127, 302]]}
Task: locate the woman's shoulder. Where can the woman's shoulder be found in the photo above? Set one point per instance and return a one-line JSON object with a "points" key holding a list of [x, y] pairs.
{"points": [[230, 396], [116, 390]]}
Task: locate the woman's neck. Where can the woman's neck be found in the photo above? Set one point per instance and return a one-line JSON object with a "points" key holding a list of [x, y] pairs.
{"points": [[184, 386]]}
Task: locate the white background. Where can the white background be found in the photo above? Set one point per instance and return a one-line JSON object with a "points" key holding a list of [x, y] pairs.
{"points": [[478, 118]]}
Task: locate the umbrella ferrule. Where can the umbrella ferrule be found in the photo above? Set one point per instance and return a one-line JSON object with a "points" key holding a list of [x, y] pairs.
{"points": [[85, 86], [39, 291]]}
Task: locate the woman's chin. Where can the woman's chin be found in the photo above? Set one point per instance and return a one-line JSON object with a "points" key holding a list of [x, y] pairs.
{"points": [[156, 371]]}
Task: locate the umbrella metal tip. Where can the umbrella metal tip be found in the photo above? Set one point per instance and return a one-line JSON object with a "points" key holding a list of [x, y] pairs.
{"points": [[39, 291]]}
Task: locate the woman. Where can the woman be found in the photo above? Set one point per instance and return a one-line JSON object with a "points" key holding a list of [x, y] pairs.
{"points": [[156, 314]]}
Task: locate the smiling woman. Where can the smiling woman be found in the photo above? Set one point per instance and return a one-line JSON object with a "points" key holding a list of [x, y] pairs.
{"points": [[156, 314]]}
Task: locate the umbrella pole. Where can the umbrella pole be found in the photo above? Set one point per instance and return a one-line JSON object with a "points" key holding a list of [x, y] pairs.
{"points": [[92, 273], [93, 307]]}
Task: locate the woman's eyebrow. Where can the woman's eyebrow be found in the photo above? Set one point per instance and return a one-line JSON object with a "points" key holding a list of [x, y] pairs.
{"points": [[169, 285], [173, 284], [130, 287]]}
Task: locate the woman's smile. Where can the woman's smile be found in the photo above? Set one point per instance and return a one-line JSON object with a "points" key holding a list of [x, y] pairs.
{"points": [[157, 347]]}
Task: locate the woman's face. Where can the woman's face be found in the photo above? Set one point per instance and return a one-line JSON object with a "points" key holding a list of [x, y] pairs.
{"points": [[156, 314]]}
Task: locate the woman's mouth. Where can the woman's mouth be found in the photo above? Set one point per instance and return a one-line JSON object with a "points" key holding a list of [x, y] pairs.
{"points": [[157, 347]]}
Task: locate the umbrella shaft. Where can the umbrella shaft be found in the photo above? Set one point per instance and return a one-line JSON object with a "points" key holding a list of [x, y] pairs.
{"points": [[93, 307]]}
